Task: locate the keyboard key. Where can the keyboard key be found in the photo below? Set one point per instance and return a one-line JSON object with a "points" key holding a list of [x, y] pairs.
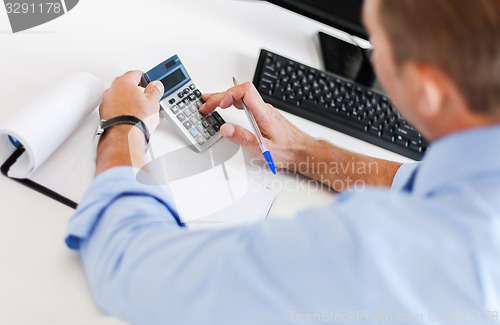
{"points": [[194, 132], [205, 124], [388, 136], [174, 109], [198, 115], [187, 125], [402, 141], [216, 127], [192, 87], [211, 131], [415, 147], [200, 140], [218, 118], [193, 108], [193, 120], [187, 112], [181, 117], [210, 119], [200, 128], [171, 101], [181, 105], [206, 135], [197, 93], [266, 88]]}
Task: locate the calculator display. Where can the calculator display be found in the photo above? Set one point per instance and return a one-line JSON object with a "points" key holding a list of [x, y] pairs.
{"points": [[173, 79]]}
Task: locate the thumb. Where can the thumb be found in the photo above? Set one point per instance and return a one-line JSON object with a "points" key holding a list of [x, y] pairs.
{"points": [[240, 136], [154, 90]]}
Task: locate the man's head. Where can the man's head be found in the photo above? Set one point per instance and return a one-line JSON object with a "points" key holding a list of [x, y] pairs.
{"points": [[439, 59]]}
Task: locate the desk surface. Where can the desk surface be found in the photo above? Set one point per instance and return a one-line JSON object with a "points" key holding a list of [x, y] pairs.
{"points": [[41, 281]]}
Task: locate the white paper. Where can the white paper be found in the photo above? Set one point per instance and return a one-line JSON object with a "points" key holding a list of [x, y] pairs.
{"points": [[48, 121], [208, 189]]}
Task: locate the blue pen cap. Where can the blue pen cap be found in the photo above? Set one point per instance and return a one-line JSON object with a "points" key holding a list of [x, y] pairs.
{"points": [[270, 161]]}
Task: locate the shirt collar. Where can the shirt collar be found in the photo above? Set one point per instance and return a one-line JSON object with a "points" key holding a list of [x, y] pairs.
{"points": [[457, 156]]}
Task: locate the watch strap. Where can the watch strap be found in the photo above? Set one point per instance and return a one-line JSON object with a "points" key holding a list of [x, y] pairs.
{"points": [[124, 119]]}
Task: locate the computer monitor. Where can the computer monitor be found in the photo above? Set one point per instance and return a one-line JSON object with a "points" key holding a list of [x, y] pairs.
{"points": [[341, 14]]}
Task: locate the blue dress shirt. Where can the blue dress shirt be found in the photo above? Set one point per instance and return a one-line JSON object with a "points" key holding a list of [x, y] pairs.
{"points": [[421, 253]]}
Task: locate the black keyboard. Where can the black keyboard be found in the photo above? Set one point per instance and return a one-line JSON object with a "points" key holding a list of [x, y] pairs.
{"points": [[336, 103]]}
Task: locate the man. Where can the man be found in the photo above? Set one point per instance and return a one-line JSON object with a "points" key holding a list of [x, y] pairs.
{"points": [[420, 247]]}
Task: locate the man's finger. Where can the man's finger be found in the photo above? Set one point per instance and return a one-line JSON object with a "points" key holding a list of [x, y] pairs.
{"points": [[154, 90], [248, 94], [211, 103], [240, 136], [132, 77]]}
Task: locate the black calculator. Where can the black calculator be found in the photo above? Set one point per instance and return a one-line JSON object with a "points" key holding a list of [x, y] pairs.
{"points": [[180, 104]]}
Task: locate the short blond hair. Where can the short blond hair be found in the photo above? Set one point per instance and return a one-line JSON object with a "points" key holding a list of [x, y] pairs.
{"points": [[461, 37]]}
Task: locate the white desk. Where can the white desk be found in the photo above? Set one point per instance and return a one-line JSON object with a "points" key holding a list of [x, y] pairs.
{"points": [[41, 281]]}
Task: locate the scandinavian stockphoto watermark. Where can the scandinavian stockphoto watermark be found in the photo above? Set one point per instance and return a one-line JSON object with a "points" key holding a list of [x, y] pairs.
{"points": [[361, 316], [26, 14], [336, 176]]}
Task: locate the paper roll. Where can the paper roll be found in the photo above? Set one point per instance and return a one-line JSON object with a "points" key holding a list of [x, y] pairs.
{"points": [[44, 124]]}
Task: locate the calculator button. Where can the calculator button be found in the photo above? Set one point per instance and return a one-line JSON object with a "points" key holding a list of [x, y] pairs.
{"points": [[218, 118], [192, 87], [193, 120], [186, 91], [171, 101], [200, 128], [186, 101], [197, 93], [193, 108], [192, 97], [187, 125], [205, 123], [175, 109], [200, 140], [216, 127], [210, 119], [198, 115], [194, 133], [181, 117], [211, 131], [180, 95], [206, 135], [197, 104], [187, 112], [181, 105]]}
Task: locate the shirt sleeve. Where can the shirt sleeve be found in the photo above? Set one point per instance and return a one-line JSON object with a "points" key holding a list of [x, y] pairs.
{"points": [[108, 188], [403, 175]]}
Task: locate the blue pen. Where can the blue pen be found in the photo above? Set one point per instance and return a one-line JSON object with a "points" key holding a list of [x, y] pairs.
{"points": [[265, 151]]}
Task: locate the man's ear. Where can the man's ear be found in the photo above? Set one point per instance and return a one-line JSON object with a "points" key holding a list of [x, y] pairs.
{"points": [[430, 86]]}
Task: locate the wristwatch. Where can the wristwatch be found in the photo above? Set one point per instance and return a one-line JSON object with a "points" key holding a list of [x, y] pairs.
{"points": [[123, 119]]}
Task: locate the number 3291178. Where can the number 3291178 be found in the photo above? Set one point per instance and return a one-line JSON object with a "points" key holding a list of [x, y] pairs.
{"points": [[32, 8]]}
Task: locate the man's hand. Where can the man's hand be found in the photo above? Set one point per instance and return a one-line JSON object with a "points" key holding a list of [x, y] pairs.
{"points": [[286, 143], [294, 150], [124, 145], [126, 97]]}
